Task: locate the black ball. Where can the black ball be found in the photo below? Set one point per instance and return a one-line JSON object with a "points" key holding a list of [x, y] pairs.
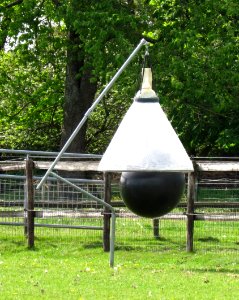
{"points": [[151, 194]]}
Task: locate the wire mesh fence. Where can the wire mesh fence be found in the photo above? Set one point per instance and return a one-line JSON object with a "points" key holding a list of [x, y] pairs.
{"points": [[63, 213], [217, 207], [12, 208], [57, 206], [134, 232]]}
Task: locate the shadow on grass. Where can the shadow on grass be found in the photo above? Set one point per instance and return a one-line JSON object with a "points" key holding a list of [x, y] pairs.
{"points": [[126, 248], [160, 238], [92, 245], [13, 246], [150, 248], [148, 240], [215, 270], [209, 239]]}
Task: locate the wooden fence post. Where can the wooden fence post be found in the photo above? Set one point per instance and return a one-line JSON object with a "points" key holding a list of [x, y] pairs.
{"points": [[156, 228], [191, 195], [30, 202], [107, 216]]}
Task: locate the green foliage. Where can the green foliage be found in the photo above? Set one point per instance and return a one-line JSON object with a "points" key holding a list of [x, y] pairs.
{"points": [[198, 66], [31, 79], [195, 67], [31, 104]]}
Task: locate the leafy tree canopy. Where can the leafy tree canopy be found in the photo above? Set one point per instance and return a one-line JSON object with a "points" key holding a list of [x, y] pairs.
{"points": [[48, 47]]}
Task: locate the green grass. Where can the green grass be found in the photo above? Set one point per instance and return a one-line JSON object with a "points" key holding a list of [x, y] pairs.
{"points": [[137, 233], [73, 267], [70, 264], [219, 194]]}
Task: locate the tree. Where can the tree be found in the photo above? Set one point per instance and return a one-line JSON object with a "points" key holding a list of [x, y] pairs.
{"points": [[198, 67], [31, 105], [91, 32], [99, 30], [31, 77], [67, 51]]}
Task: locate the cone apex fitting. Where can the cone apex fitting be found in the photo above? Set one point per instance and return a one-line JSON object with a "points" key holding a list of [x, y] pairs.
{"points": [[147, 79], [146, 89]]}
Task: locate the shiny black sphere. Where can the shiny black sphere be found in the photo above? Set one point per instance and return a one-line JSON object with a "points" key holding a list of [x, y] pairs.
{"points": [[151, 194]]}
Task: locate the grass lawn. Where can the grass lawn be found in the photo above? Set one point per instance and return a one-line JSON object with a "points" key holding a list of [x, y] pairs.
{"points": [[68, 269], [66, 265]]}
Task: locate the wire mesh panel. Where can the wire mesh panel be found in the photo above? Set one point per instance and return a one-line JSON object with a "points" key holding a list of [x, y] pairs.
{"points": [[12, 191], [60, 211], [134, 232], [12, 215], [216, 235], [63, 211], [139, 233], [217, 212]]}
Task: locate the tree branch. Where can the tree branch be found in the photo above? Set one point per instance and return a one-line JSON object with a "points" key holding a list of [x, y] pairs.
{"points": [[4, 31], [17, 2], [56, 3]]}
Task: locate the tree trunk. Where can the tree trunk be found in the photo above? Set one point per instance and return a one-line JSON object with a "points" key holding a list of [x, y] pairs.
{"points": [[79, 94]]}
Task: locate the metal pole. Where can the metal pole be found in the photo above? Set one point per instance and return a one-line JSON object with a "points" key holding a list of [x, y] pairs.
{"points": [[88, 112], [84, 192], [47, 153], [112, 239]]}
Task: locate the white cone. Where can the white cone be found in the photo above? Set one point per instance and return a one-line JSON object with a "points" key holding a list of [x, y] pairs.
{"points": [[145, 140]]}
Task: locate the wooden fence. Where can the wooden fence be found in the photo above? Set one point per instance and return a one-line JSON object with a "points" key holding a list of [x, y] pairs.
{"points": [[201, 166]]}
